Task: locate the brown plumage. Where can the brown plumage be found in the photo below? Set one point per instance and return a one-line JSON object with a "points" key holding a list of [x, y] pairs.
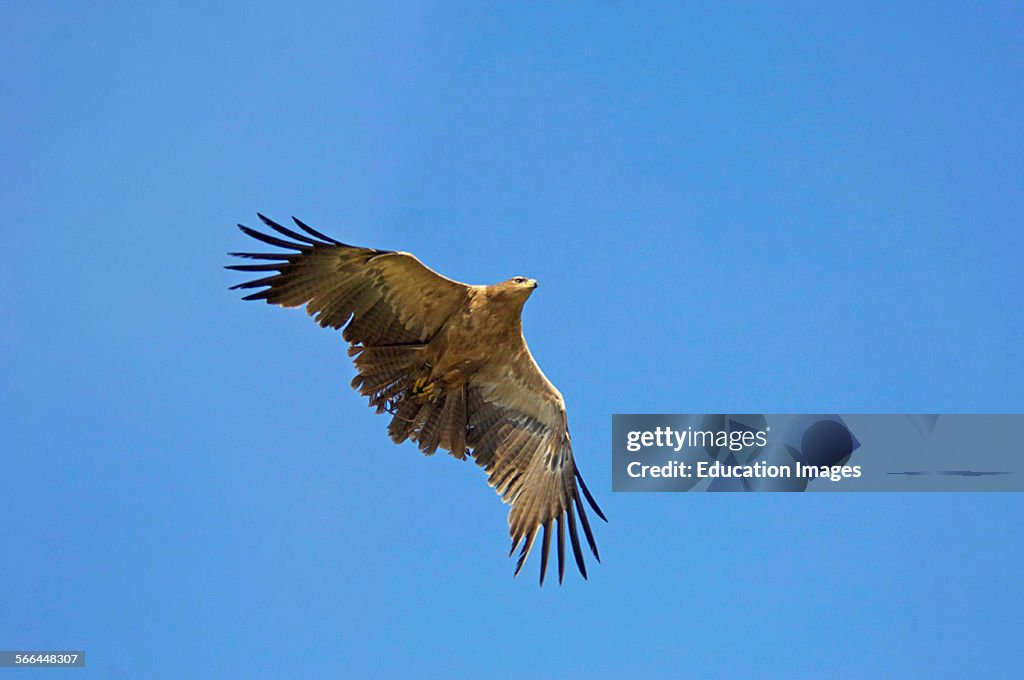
{"points": [[449, 362]]}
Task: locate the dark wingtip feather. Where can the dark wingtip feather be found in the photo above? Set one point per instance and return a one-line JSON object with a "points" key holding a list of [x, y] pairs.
{"points": [[586, 527], [545, 548], [270, 267], [590, 499], [262, 256], [519, 564], [270, 240], [527, 545], [262, 295], [313, 232], [574, 538], [257, 283], [267, 221], [281, 229], [561, 548]]}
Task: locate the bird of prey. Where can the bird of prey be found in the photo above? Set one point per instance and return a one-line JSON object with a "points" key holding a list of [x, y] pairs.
{"points": [[449, 363]]}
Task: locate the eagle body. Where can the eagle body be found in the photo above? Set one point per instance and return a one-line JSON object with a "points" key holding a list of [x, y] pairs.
{"points": [[489, 325], [449, 363]]}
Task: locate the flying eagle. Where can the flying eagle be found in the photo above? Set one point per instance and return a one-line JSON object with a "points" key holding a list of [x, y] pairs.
{"points": [[449, 363]]}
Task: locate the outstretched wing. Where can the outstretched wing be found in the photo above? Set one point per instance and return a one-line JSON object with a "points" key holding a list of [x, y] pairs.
{"points": [[519, 435], [391, 297], [515, 418]]}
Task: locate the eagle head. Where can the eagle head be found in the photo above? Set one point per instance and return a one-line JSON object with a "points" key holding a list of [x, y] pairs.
{"points": [[517, 289], [521, 285]]}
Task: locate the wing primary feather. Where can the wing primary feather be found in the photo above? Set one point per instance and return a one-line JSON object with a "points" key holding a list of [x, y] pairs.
{"points": [[574, 538], [527, 545], [263, 256], [270, 240], [256, 283], [313, 232], [590, 499], [561, 547], [586, 526], [545, 548], [262, 295], [281, 229], [270, 267]]}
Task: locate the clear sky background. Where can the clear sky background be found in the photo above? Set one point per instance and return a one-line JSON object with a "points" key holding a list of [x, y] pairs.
{"points": [[808, 207]]}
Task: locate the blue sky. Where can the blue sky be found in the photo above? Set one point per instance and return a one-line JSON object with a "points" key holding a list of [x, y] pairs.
{"points": [[808, 207]]}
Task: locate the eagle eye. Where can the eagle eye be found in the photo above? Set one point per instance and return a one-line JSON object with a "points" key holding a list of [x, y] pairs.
{"points": [[519, 279]]}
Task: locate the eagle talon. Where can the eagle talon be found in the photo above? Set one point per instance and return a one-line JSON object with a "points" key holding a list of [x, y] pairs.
{"points": [[425, 388]]}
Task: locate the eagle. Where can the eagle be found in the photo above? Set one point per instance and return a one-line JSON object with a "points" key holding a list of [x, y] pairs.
{"points": [[449, 363]]}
